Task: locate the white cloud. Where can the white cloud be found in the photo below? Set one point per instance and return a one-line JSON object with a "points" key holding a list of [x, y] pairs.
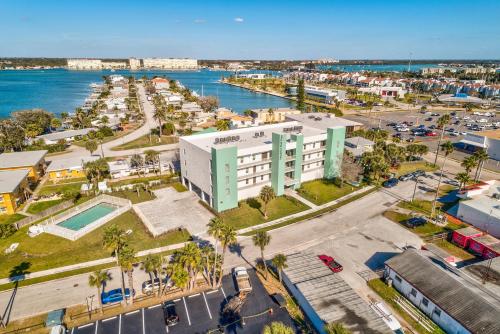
{"points": [[199, 21], [238, 19]]}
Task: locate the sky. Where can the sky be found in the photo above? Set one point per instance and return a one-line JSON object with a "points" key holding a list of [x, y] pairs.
{"points": [[251, 29]]}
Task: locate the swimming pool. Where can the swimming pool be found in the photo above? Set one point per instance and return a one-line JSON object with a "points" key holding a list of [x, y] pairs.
{"points": [[88, 216]]}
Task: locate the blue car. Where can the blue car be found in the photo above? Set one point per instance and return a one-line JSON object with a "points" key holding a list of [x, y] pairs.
{"points": [[390, 183], [113, 296]]}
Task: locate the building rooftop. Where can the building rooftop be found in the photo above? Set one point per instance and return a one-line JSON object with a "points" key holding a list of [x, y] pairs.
{"points": [[359, 141], [457, 297], [65, 134], [468, 231], [21, 159], [492, 134], [69, 163], [321, 120], [330, 296], [285, 110], [10, 179], [486, 240]]}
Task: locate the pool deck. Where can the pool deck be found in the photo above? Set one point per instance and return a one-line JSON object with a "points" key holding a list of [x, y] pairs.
{"points": [[51, 226]]}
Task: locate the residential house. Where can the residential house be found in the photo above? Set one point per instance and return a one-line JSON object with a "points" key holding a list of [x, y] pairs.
{"points": [[61, 169], [13, 189], [33, 161]]}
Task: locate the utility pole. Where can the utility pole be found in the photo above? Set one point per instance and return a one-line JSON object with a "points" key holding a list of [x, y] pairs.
{"points": [[414, 189]]}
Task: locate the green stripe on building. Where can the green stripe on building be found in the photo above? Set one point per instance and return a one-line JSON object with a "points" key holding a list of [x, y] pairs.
{"points": [[334, 151], [224, 178], [278, 163], [299, 146]]}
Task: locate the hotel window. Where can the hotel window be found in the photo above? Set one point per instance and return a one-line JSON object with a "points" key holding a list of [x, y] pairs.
{"points": [[246, 170], [262, 177], [253, 156], [241, 160], [425, 302], [262, 167], [226, 166], [228, 191], [246, 181], [397, 278], [437, 312], [317, 164], [413, 292]]}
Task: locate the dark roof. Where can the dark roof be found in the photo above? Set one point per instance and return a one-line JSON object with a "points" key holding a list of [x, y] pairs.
{"points": [[468, 231], [451, 295]]}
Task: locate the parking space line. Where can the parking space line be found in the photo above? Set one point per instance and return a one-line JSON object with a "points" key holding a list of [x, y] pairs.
{"points": [[212, 291], [176, 300], [120, 324], [108, 319], [72, 330], [222, 289], [166, 327], [187, 312], [87, 325], [133, 312], [194, 295], [154, 306], [96, 325], [143, 323], [208, 308]]}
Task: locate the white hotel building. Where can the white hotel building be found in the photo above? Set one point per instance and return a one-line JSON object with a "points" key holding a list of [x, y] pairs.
{"points": [[84, 64], [171, 63], [226, 167]]}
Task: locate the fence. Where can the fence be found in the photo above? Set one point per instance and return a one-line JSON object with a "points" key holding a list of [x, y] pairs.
{"points": [[50, 225], [43, 214]]}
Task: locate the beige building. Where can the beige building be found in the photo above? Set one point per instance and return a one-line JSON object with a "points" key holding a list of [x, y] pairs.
{"points": [[134, 63], [273, 115], [171, 63], [110, 65], [84, 64]]}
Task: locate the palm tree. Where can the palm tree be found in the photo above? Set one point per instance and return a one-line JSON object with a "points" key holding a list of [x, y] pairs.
{"points": [[227, 237], [279, 262], [277, 327], [266, 195], [441, 122], [97, 280], [178, 275], [190, 257], [152, 157], [261, 239], [126, 260], [91, 146], [336, 328], [222, 124], [114, 239], [159, 116], [481, 157], [215, 227], [447, 149], [149, 265], [136, 161], [469, 163], [463, 178]]}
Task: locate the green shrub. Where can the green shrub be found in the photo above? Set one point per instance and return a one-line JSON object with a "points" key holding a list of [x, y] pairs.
{"points": [[6, 230]]}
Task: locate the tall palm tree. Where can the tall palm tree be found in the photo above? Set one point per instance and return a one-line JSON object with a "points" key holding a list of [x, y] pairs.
{"points": [[190, 257], [160, 117], [136, 161], [469, 163], [91, 146], [152, 157], [149, 266], [277, 327], [447, 148], [178, 275], [126, 260], [336, 328], [215, 227], [222, 125], [266, 195], [227, 237], [441, 122], [114, 239], [463, 178], [279, 262], [481, 157], [97, 280], [261, 239]]}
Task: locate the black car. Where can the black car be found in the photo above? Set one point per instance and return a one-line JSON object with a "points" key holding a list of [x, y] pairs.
{"points": [[428, 119], [414, 222], [410, 140], [170, 314], [392, 182], [418, 173], [406, 177], [391, 124]]}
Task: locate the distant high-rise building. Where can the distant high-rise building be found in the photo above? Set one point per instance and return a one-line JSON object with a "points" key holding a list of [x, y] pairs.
{"points": [[84, 64], [134, 63], [171, 63]]}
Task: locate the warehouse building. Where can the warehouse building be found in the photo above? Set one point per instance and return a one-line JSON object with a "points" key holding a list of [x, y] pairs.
{"points": [[226, 167], [326, 298]]}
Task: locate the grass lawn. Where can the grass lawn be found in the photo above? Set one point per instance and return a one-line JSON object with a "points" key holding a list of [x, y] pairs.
{"points": [[419, 205], [249, 212], [37, 207], [142, 179], [426, 230], [145, 142], [389, 294], [454, 250], [66, 181], [179, 187], [406, 168], [143, 196], [9, 219], [60, 188], [47, 251], [323, 191]]}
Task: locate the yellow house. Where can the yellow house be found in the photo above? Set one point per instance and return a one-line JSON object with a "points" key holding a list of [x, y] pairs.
{"points": [[68, 168], [13, 189], [33, 161], [273, 115]]}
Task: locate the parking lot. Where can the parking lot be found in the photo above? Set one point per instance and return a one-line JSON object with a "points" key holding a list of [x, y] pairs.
{"points": [[198, 313]]}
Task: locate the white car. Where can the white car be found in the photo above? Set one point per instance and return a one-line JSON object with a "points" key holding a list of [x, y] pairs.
{"points": [[455, 134], [482, 120], [466, 117], [477, 113], [402, 129]]}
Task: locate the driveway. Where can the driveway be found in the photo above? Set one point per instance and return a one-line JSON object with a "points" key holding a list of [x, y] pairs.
{"points": [[171, 210]]}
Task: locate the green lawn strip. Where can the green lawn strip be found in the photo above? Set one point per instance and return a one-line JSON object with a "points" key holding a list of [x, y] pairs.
{"points": [[426, 230], [9, 219], [454, 250], [47, 251], [60, 188], [250, 212], [389, 294], [142, 179], [134, 196], [312, 214], [66, 181], [418, 205], [322, 191], [37, 207], [179, 187], [410, 167], [145, 141]]}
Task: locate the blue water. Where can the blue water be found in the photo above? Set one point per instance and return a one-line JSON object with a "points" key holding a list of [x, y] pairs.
{"points": [[61, 90], [376, 68], [87, 217]]}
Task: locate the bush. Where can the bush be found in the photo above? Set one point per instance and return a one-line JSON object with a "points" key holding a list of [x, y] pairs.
{"points": [[6, 230], [106, 131]]}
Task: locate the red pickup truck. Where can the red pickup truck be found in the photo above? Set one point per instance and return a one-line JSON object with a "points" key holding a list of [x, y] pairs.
{"points": [[331, 263]]}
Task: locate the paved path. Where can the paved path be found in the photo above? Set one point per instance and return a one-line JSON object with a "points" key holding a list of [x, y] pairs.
{"points": [[294, 194]]}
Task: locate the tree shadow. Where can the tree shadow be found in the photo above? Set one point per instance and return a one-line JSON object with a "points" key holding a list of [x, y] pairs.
{"points": [[254, 203], [16, 274]]}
